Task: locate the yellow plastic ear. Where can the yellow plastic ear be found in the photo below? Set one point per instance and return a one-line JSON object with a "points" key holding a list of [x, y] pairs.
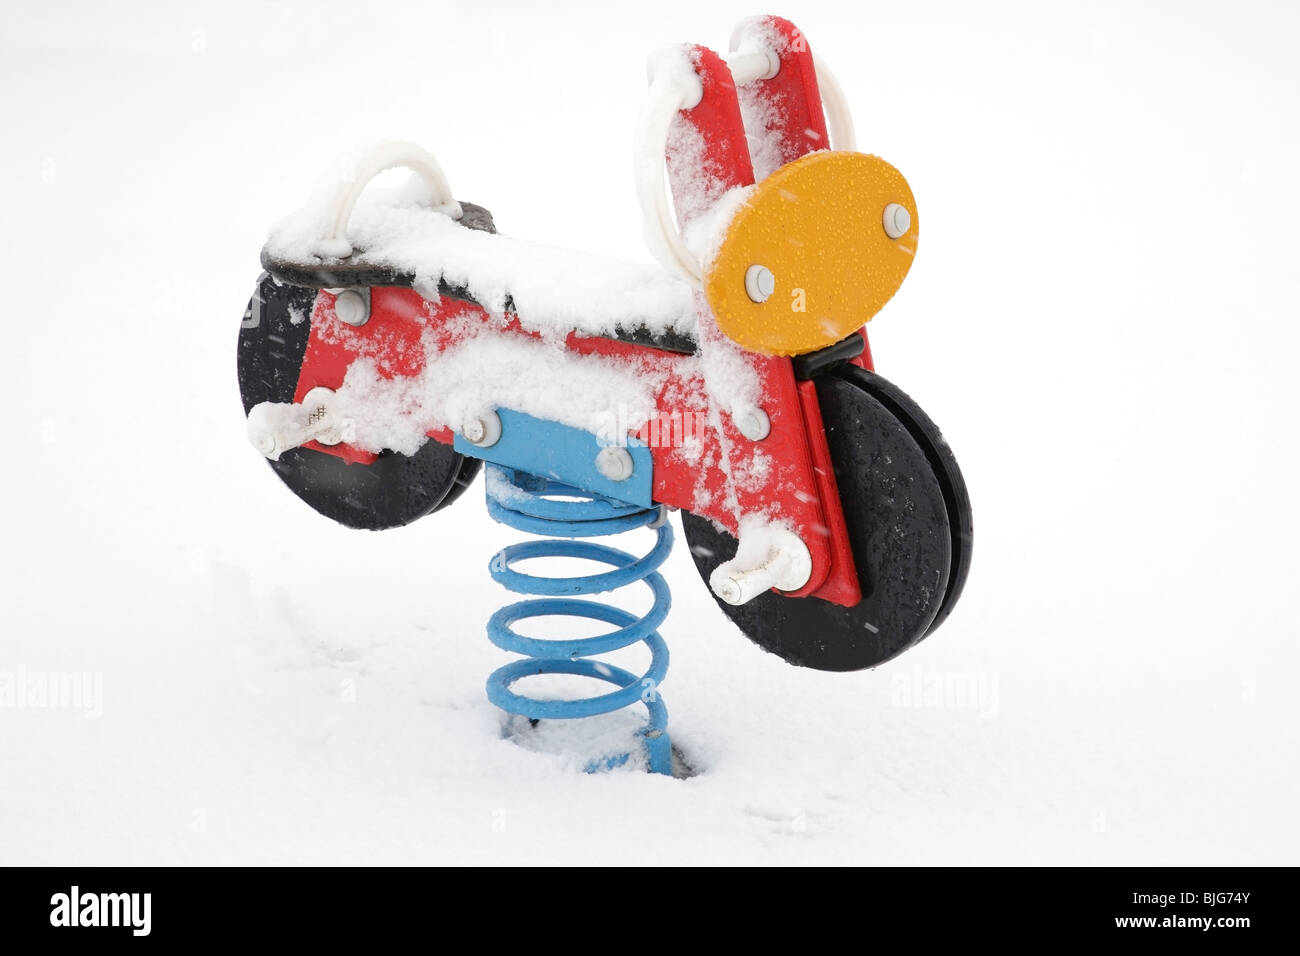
{"points": [[817, 250]]}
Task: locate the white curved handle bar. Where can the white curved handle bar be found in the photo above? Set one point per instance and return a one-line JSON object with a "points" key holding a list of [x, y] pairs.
{"points": [[839, 121], [672, 91], [385, 156]]}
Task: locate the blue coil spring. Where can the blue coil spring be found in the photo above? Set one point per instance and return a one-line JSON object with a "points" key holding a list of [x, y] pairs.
{"points": [[563, 513]]}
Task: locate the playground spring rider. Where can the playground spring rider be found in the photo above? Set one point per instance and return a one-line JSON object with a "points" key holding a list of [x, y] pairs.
{"points": [[396, 343]]}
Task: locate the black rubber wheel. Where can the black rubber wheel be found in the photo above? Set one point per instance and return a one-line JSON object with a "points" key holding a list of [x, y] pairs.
{"points": [[393, 491], [908, 519], [931, 440]]}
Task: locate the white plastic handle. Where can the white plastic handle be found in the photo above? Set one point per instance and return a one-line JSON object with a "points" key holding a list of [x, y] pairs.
{"points": [[839, 121], [671, 90], [396, 155]]}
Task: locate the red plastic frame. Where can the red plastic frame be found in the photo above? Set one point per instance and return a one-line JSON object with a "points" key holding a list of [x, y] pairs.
{"points": [[788, 475]]}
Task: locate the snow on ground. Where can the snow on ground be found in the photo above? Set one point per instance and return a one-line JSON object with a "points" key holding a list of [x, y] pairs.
{"points": [[1102, 316]]}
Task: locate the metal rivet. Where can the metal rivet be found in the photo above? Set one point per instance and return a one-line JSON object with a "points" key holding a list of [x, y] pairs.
{"points": [[759, 283], [897, 220], [615, 463]]}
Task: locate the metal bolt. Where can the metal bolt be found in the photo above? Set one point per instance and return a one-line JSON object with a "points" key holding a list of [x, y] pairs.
{"points": [[787, 567], [320, 400], [759, 283], [483, 430], [727, 589], [352, 307], [615, 463], [264, 442], [897, 221], [753, 423]]}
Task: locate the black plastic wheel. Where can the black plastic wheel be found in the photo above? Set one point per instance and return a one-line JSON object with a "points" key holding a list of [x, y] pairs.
{"points": [[908, 518], [393, 491]]}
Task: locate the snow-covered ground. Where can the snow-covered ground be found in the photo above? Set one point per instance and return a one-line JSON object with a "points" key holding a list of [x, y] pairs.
{"points": [[1103, 317]]}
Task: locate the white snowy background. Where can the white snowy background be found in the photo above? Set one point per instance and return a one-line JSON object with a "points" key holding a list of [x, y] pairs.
{"points": [[1103, 319]]}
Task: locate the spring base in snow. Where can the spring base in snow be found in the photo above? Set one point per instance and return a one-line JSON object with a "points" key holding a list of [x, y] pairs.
{"points": [[566, 516]]}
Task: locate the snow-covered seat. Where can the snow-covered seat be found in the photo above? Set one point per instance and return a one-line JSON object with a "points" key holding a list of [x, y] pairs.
{"points": [[403, 243]]}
